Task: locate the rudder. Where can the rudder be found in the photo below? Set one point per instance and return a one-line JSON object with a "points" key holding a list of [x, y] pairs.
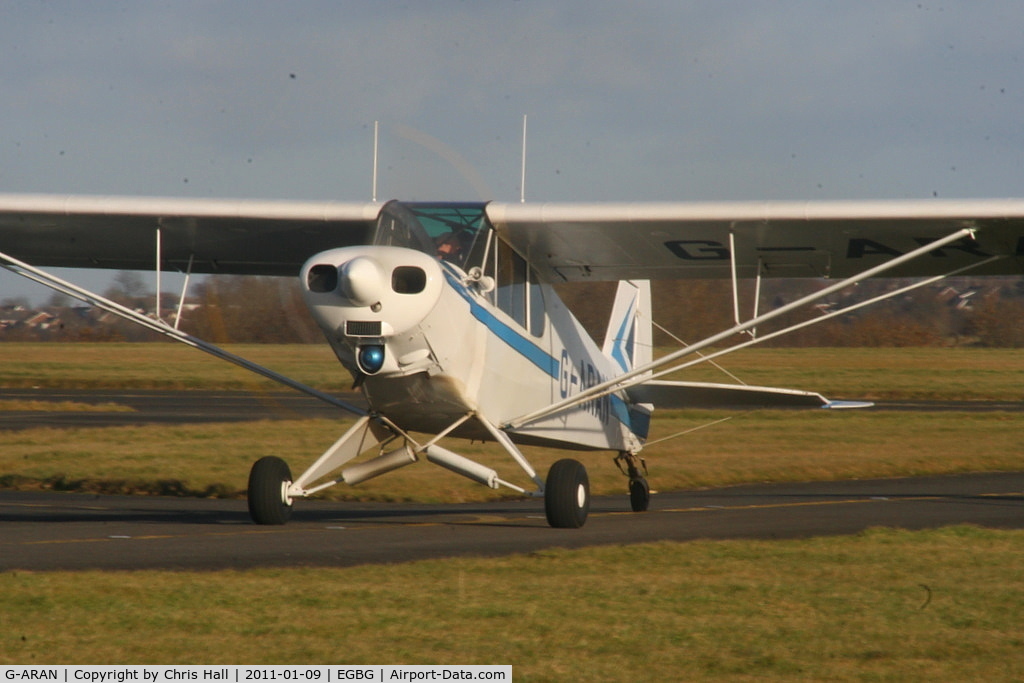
{"points": [[629, 338]]}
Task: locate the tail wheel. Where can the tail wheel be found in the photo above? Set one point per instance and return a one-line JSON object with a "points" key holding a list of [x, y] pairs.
{"points": [[639, 490], [639, 494], [567, 495], [269, 480]]}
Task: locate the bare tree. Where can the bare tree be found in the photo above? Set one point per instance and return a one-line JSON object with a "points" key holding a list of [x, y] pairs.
{"points": [[252, 309], [128, 289]]}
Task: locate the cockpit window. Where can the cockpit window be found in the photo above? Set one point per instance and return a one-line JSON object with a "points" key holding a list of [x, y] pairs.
{"points": [[397, 226], [455, 232], [460, 233]]}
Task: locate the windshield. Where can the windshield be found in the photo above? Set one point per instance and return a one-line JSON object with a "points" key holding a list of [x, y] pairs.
{"points": [[455, 232]]}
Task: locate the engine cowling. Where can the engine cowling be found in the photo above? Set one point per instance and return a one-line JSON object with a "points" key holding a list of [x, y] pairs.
{"points": [[369, 299]]}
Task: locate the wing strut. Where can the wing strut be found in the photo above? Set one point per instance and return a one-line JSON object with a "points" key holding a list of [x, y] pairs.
{"points": [[159, 266], [736, 285], [184, 291], [53, 282], [623, 381], [814, 321]]}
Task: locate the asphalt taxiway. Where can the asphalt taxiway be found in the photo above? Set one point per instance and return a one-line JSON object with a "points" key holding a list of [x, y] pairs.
{"points": [[116, 407], [50, 531], [53, 531], [157, 406]]}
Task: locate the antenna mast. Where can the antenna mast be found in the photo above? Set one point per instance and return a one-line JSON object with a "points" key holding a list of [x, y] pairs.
{"points": [[375, 129], [522, 180]]}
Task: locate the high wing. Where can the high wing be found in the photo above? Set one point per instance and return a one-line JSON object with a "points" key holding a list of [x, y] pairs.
{"points": [[563, 241], [614, 241], [217, 236]]}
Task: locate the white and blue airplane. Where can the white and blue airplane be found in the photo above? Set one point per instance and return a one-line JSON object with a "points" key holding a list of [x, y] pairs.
{"points": [[446, 318]]}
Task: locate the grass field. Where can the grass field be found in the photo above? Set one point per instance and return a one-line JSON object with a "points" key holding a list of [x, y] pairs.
{"points": [[926, 373], [758, 446], [214, 459], [883, 605]]}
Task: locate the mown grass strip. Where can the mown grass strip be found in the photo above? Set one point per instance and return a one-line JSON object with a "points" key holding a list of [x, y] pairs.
{"points": [[62, 407], [214, 459], [162, 365], [895, 605], [872, 373]]}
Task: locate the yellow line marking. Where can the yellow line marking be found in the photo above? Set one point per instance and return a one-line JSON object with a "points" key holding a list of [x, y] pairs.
{"points": [[149, 537], [50, 505], [812, 503], [357, 525]]}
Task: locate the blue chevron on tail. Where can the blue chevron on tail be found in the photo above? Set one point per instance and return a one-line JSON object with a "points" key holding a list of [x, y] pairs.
{"points": [[629, 338]]}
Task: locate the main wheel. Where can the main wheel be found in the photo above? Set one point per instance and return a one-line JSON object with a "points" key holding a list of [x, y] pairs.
{"points": [[639, 494], [269, 480], [567, 495]]}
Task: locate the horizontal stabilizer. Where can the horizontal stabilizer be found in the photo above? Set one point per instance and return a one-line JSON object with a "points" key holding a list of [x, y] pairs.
{"points": [[706, 395], [848, 405]]}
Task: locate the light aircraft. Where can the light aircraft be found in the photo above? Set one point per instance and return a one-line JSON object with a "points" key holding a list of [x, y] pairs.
{"points": [[446, 318]]}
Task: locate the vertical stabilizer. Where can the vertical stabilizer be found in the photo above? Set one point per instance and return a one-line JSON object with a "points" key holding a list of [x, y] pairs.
{"points": [[629, 339]]}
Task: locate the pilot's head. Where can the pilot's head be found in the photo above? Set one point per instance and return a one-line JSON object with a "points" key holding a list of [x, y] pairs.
{"points": [[449, 247]]}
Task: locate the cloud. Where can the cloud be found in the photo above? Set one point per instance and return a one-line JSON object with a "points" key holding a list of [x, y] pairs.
{"points": [[626, 101]]}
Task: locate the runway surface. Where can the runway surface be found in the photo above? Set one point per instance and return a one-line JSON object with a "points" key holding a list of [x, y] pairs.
{"points": [[161, 406], [154, 406], [51, 531], [48, 531]]}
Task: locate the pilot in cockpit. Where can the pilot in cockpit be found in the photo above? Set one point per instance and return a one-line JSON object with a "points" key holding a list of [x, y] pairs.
{"points": [[449, 248]]}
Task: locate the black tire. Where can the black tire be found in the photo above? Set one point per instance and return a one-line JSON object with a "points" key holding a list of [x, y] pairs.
{"points": [[567, 495], [268, 480], [639, 494]]}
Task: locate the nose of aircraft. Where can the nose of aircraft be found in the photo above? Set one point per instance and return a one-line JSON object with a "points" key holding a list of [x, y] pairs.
{"points": [[362, 281], [359, 294]]}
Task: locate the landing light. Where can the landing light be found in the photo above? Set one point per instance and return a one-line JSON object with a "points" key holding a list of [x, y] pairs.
{"points": [[370, 358]]}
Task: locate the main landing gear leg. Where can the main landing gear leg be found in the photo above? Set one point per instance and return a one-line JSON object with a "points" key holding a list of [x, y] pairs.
{"points": [[639, 490]]}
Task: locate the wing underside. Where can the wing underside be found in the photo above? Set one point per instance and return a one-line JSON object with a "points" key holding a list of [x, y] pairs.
{"points": [[215, 236], [565, 241], [774, 239]]}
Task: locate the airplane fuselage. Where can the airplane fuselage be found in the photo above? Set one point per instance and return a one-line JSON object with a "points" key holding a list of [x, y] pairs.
{"points": [[432, 337]]}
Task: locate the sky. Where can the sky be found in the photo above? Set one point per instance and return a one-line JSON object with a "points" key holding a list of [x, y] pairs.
{"points": [[637, 101]]}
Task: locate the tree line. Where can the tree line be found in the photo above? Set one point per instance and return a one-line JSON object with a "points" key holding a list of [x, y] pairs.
{"points": [[242, 309], [985, 312]]}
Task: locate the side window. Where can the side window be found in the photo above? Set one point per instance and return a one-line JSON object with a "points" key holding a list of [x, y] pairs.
{"points": [[511, 283], [518, 292], [536, 306]]}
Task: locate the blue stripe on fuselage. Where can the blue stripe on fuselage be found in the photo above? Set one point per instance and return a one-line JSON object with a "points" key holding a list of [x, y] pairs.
{"points": [[518, 342], [525, 347]]}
